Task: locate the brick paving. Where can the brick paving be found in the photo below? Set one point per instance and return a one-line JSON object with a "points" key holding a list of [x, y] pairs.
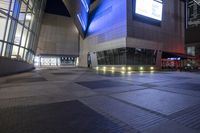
{"points": [[78, 100]]}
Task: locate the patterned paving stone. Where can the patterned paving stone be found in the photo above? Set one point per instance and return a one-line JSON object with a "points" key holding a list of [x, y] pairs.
{"points": [[110, 74], [148, 85], [25, 80], [66, 117], [189, 117], [103, 84], [186, 86], [133, 116], [159, 101], [178, 77], [63, 73], [179, 91], [170, 106], [169, 127]]}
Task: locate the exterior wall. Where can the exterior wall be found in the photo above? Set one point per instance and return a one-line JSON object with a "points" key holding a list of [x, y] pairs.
{"points": [[91, 48], [77, 8], [192, 33], [58, 36], [8, 66], [169, 36], [192, 22], [112, 25], [104, 35]]}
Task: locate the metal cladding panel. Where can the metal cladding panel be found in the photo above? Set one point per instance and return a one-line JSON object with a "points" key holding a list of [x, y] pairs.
{"points": [[79, 11], [197, 1], [166, 36], [108, 21], [193, 22]]}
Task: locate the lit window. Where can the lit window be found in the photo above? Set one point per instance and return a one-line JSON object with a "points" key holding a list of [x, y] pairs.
{"points": [[191, 51], [15, 52], [21, 52], [28, 17], [1, 47], [18, 34], [2, 25]]}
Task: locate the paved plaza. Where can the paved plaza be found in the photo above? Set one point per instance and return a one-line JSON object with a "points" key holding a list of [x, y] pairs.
{"points": [[79, 100]]}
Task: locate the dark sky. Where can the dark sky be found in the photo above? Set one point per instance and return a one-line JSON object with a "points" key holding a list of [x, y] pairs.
{"points": [[56, 7]]}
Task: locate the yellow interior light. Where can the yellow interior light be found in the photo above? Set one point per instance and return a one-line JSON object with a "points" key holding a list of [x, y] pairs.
{"points": [[152, 68], [123, 68]]}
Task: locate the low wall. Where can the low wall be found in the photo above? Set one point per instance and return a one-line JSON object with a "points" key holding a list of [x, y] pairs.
{"points": [[8, 66]]}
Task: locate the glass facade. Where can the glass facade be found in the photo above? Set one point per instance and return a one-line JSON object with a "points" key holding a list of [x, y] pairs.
{"points": [[19, 28], [194, 51], [54, 61], [127, 56], [191, 51]]}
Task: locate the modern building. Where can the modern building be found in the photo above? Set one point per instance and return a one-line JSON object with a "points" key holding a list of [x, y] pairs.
{"points": [[192, 36], [19, 31], [59, 38], [95, 33], [128, 32]]}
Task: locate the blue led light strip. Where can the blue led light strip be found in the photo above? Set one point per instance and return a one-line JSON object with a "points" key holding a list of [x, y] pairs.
{"points": [[85, 4], [81, 21]]}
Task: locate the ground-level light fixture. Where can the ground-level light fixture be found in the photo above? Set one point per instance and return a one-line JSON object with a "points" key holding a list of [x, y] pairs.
{"points": [[129, 73], [122, 72], [129, 68], [113, 71], [141, 68]]}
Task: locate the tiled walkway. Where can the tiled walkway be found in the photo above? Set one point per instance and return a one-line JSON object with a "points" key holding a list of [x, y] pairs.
{"points": [[78, 100]]}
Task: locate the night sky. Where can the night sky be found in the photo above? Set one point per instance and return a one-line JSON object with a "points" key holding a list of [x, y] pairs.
{"points": [[56, 7]]}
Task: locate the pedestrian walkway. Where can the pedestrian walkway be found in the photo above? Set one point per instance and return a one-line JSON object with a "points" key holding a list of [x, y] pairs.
{"points": [[79, 100]]}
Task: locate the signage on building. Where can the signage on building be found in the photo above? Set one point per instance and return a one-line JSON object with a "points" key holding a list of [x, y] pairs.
{"points": [[149, 8]]}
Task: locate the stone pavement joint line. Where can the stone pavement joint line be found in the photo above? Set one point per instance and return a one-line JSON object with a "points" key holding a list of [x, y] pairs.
{"points": [[80, 100]]}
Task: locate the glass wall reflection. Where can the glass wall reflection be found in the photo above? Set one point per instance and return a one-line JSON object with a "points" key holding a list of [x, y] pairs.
{"points": [[19, 28], [127, 56]]}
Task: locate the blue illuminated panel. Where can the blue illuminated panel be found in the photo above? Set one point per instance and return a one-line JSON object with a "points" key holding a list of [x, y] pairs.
{"points": [[81, 21], [85, 4], [107, 16]]}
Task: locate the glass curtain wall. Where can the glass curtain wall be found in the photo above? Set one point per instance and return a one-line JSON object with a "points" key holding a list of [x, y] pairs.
{"points": [[127, 56], [19, 28]]}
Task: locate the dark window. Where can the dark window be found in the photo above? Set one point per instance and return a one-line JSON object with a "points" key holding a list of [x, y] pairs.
{"points": [[127, 56]]}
